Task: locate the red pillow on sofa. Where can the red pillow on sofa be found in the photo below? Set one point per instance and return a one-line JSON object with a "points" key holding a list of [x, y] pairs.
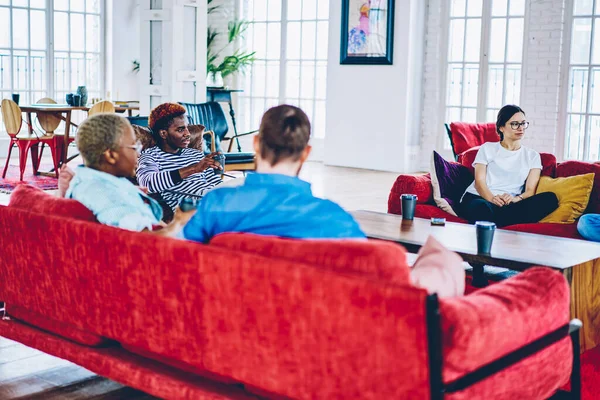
{"points": [[466, 135], [548, 161], [30, 198], [374, 259], [412, 184]]}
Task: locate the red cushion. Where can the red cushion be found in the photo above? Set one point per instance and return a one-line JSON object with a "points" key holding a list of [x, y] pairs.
{"points": [[410, 184], [58, 328], [430, 211], [374, 259], [560, 230], [571, 168], [485, 325], [30, 198], [548, 161], [466, 136]]}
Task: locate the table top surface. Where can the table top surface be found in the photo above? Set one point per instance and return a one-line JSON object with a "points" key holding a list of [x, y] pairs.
{"points": [[66, 107], [222, 89], [517, 250]]}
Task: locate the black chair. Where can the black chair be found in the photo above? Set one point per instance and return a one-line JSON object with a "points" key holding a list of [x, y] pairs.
{"points": [[138, 120], [212, 116]]}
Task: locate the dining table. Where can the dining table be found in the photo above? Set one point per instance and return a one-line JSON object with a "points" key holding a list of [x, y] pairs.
{"points": [[63, 112]]}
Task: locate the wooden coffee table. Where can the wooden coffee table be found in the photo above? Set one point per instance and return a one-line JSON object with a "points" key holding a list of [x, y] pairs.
{"points": [[576, 259]]}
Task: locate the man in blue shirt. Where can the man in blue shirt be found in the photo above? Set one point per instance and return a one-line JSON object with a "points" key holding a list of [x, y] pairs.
{"points": [[274, 201]]}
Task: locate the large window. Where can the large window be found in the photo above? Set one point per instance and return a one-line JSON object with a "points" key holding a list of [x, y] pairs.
{"points": [[485, 53], [35, 66], [582, 139], [290, 38]]}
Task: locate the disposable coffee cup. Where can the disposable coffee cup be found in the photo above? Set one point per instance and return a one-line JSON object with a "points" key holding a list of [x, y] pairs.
{"points": [[220, 158], [188, 204], [409, 202], [485, 236]]}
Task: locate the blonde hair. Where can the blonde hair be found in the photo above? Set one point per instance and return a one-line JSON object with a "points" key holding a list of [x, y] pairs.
{"points": [[99, 133]]}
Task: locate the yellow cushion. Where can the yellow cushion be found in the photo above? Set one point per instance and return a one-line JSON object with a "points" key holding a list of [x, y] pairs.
{"points": [[573, 194]]}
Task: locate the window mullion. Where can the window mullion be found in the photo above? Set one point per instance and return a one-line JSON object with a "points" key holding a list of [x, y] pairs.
{"points": [[11, 59], [463, 69], [283, 52], [484, 63], [588, 106], [504, 80], [50, 49]]}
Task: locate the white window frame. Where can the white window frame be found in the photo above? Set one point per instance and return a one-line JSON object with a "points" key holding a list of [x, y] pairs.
{"points": [[563, 115], [486, 19], [283, 61], [50, 53]]}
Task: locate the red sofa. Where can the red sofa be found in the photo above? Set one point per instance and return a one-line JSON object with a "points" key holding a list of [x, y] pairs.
{"points": [[426, 207], [259, 317]]}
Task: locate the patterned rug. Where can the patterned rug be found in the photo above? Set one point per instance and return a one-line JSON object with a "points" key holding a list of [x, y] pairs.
{"points": [[8, 184]]}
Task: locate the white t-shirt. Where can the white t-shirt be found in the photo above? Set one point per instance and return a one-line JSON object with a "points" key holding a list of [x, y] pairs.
{"points": [[507, 170]]}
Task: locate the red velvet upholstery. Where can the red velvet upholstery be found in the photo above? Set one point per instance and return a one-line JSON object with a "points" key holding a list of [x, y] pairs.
{"points": [[27, 197], [282, 328], [432, 211], [413, 184], [537, 301], [57, 327], [466, 136], [550, 229], [571, 168], [386, 262]]}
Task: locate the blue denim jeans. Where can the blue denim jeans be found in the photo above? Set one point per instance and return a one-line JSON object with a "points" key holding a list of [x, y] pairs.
{"points": [[589, 227]]}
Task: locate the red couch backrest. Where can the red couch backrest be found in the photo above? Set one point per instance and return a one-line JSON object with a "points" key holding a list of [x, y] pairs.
{"points": [[285, 327], [466, 135], [385, 262]]}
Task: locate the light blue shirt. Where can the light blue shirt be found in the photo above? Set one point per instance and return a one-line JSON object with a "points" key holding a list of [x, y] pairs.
{"points": [[114, 201], [270, 204]]}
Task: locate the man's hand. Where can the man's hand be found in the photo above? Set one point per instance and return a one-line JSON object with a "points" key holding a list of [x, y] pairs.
{"points": [[208, 162], [64, 179], [201, 166]]}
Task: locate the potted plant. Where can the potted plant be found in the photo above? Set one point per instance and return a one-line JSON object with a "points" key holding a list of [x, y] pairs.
{"points": [[221, 68]]}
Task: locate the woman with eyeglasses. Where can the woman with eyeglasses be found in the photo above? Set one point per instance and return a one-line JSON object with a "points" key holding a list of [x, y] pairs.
{"points": [[110, 154], [506, 177]]}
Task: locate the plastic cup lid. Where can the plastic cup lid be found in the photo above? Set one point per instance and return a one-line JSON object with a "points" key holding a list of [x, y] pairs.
{"points": [[485, 224], [409, 196]]}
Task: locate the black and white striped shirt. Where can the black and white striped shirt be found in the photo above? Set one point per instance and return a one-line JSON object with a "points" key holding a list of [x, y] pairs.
{"points": [[159, 172]]}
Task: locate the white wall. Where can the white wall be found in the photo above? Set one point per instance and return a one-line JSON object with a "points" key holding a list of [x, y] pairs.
{"points": [[373, 111], [122, 45]]}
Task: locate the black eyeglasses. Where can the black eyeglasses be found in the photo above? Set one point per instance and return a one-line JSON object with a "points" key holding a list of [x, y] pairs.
{"points": [[515, 125]]}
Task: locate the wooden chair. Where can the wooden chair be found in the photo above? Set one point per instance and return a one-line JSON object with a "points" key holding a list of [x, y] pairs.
{"points": [[13, 121], [102, 107], [49, 123]]}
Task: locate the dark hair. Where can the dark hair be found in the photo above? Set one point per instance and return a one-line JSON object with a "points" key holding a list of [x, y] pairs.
{"points": [[284, 133], [504, 115], [164, 123]]}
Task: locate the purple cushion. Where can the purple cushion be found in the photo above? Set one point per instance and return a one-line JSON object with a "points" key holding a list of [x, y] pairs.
{"points": [[449, 181]]}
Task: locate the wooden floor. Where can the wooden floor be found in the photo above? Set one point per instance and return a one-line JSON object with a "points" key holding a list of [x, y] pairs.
{"points": [[26, 373]]}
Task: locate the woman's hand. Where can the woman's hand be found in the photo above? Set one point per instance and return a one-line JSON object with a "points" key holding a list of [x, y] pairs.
{"points": [[181, 217], [507, 197], [498, 200], [517, 199]]}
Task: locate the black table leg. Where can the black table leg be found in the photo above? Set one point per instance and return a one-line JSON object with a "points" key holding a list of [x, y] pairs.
{"points": [[479, 279], [232, 113]]}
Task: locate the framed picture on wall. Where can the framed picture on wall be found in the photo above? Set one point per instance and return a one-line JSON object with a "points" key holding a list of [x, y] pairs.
{"points": [[367, 32]]}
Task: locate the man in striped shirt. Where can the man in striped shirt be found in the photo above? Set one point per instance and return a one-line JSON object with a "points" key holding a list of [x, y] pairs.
{"points": [[171, 168]]}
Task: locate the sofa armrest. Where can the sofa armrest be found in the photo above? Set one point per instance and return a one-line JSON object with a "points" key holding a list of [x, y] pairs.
{"points": [[482, 327], [410, 184]]}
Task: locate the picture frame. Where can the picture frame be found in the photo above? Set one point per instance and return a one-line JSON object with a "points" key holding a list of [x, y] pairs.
{"points": [[367, 34]]}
